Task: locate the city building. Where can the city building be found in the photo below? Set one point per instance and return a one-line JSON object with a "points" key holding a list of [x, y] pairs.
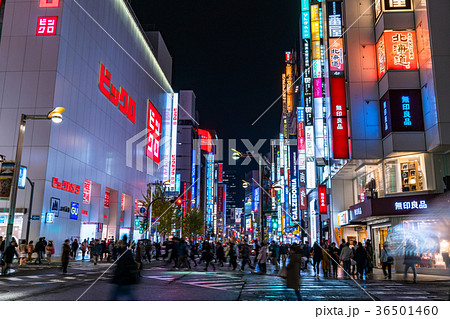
{"points": [[93, 58]]}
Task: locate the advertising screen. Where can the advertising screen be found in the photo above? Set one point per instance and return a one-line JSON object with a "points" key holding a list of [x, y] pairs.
{"points": [[322, 199], [22, 177], [336, 55], [205, 138]]}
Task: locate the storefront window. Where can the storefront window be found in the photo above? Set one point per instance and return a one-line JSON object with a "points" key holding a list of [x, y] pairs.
{"points": [[431, 240], [405, 174], [370, 183]]}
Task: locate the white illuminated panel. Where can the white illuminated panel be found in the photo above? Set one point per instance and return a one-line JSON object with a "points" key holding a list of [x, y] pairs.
{"points": [[408, 205], [311, 174], [309, 136]]}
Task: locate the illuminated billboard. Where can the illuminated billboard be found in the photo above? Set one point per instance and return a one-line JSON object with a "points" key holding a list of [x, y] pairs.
{"points": [[322, 199], [336, 55], [153, 133], [173, 142], [401, 110], [396, 50], [206, 140]]}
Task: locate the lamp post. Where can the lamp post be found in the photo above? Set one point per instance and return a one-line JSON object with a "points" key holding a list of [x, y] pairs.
{"points": [[56, 117], [29, 209]]}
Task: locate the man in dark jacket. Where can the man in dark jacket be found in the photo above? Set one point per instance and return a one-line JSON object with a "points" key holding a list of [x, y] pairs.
{"points": [[125, 275], [65, 255], [39, 248], [8, 256], [361, 259], [275, 255], [246, 256], [97, 251], [306, 253], [75, 248]]}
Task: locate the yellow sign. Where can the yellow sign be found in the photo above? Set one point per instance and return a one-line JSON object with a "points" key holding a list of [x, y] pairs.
{"points": [[316, 50], [315, 12], [315, 31]]}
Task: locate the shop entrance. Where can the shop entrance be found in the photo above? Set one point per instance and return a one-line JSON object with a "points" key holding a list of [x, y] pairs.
{"points": [[380, 235]]}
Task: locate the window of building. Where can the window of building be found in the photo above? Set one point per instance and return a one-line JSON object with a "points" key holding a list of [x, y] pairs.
{"points": [[405, 174], [370, 182]]}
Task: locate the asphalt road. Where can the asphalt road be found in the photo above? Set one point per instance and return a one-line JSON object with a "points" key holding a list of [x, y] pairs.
{"points": [[159, 282]]}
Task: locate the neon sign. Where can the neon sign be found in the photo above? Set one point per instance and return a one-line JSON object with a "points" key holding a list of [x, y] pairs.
{"points": [[406, 111], [48, 3], [66, 186]]}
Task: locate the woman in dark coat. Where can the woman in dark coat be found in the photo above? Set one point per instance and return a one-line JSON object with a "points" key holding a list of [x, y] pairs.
{"points": [[125, 275], [8, 256], [318, 256], [65, 255], [293, 270]]}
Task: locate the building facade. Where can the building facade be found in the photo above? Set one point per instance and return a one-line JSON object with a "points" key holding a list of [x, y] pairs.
{"points": [[93, 58]]}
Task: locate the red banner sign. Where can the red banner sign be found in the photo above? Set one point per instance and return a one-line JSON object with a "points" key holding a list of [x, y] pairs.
{"points": [[107, 195], [46, 25], [339, 122], [303, 198], [153, 133], [220, 198], [220, 173], [87, 192], [205, 138], [48, 3], [322, 199], [65, 186]]}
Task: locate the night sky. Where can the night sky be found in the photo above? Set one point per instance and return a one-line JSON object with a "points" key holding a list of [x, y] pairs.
{"points": [[231, 54]]}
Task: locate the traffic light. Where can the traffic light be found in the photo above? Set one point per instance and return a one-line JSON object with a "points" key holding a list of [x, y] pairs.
{"points": [[275, 223], [179, 201], [136, 222]]}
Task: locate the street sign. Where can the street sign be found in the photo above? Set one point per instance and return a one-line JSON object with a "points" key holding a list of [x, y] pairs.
{"points": [[35, 217], [142, 210], [153, 231]]}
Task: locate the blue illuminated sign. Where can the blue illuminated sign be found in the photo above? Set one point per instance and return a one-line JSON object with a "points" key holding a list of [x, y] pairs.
{"points": [[74, 208], [256, 198], [306, 25], [300, 114], [287, 221], [385, 116], [406, 107], [22, 177], [177, 183], [49, 218], [305, 5]]}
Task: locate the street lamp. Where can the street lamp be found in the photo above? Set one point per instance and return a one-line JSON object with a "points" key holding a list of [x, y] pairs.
{"points": [[56, 117], [245, 184]]}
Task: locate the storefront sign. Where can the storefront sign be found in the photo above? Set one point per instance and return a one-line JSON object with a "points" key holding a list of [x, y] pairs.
{"points": [[48, 3], [340, 138], [288, 56], [193, 178], [410, 205], [338, 100], [306, 27], [322, 199], [122, 202], [153, 133], [342, 218], [303, 198], [334, 19], [49, 218], [310, 173], [401, 111], [309, 137], [84, 212], [396, 50], [118, 97], [74, 208], [177, 183], [46, 25], [173, 142], [395, 5], [336, 56], [220, 198], [87, 192], [107, 196], [256, 198], [66, 186]]}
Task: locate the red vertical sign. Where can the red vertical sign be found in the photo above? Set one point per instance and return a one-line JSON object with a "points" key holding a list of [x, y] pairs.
{"points": [[87, 192], [220, 173], [322, 199], [107, 194], [220, 198]]}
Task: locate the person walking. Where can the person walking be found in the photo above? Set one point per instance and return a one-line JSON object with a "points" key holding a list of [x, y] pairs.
{"points": [[104, 249], [369, 250], [23, 252], [30, 250], [8, 256], [2, 247], [233, 253], [75, 248], [65, 255], [386, 260], [262, 258], [411, 259], [83, 248], [306, 254], [220, 253], [96, 251], [275, 255], [334, 252], [361, 260], [283, 254], [317, 258], [325, 260], [50, 249], [246, 256], [140, 251], [346, 255], [192, 253], [293, 270], [208, 255], [38, 249], [125, 274]]}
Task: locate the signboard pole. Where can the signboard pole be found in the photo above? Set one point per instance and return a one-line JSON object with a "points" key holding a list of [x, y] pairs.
{"points": [[12, 203], [29, 209]]}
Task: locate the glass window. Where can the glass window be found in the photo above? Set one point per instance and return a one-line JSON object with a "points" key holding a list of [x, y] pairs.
{"points": [[405, 174], [369, 182]]}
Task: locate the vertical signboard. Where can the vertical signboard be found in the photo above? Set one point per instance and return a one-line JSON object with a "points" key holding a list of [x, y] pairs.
{"points": [[193, 178], [153, 133], [322, 199], [294, 184], [220, 198], [87, 191], [173, 142], [74, 208], [220, 173]]}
